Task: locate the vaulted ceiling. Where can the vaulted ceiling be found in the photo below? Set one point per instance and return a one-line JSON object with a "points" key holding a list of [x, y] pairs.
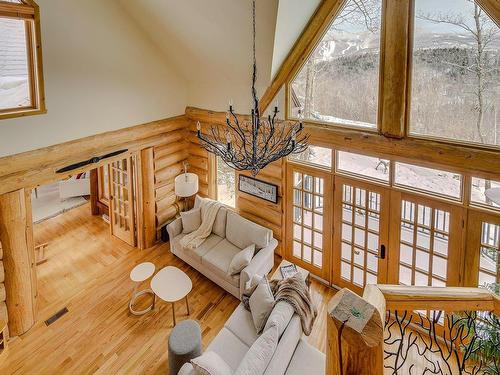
{"points": [[210, 42]]}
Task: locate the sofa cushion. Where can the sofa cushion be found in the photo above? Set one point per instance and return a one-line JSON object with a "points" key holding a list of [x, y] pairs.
{"points": [[242, 232], [260, 353], [306, 360], [229, 347], [241, 324], [210, 242], [191, 220], [280, 316], [241, 260], [218, 259], [219, 227], [287, 344], [210, 363], [261, 304]]}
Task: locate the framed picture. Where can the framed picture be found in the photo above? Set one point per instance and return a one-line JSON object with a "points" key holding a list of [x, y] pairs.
{"points": [[258, 188]]}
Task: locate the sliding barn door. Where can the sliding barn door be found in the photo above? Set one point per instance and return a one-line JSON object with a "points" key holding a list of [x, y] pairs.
{"points": [[309, 213], [121, 200]]}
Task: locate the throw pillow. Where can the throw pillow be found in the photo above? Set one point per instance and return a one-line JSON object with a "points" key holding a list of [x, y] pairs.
{"points": [[210, 363], [261, 304], [260, 353], [251, 284], [280, 317], [241, 260], [191, 220]]}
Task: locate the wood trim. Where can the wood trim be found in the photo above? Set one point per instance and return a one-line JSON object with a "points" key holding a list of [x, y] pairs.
{"points": [[307, 41], [16, 10], [393, 68], [470, 160], [94, 192], [33, 168], [492, 8], [146, 183], [401, 298]]}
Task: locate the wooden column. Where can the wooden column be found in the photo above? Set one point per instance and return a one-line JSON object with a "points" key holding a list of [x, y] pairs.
{"points": [[354, 336], [94, 192], [148, 198], [16, 234], [394, 64]]}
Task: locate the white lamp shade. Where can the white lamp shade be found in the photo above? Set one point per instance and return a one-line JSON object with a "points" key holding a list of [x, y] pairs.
{"points": [[186, 185]]}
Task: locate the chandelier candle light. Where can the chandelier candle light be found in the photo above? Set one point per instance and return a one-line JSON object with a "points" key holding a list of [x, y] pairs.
{"points": [[254, 143]]}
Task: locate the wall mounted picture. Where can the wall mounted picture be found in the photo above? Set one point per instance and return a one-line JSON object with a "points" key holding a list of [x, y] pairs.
{"points": [[258, 188]]}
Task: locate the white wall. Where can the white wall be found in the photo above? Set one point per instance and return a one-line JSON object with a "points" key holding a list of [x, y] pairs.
{"points": [[293, 17], [210, 42], [102, 72]]}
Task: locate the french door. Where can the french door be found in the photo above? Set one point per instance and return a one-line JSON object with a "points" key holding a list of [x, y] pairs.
{"points": [[121, 200], [482, 267], [426, 241], [309, 219], [361, 224]]}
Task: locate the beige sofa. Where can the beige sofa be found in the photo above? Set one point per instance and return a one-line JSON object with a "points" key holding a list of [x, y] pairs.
{"points": [[230, 234], [293, 355]]}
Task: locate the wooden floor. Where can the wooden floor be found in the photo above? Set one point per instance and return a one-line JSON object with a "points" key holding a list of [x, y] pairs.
{"points": [[88, 272]]}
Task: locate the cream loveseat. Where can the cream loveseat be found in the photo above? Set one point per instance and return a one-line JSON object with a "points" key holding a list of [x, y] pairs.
{"points": [[293, 355], [230, 234]]}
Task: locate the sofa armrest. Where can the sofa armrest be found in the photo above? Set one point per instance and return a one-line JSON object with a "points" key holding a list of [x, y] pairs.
{"points": [[186, 369], [261, 264], [174, 228]]}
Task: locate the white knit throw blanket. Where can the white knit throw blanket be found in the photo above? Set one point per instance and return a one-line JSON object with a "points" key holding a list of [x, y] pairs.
{"points": [[194, 239]]}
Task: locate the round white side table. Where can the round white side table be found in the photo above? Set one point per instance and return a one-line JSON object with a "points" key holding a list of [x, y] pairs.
{"points": [[140, 273]]}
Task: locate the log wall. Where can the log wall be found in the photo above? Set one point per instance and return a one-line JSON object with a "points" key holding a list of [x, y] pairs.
{"points": [[169, 157], [3, 307]]}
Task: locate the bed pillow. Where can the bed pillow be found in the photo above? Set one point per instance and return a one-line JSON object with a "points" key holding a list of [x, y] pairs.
{"points": [[191, 220], [210, 363], [241, 260], [261, 304]]}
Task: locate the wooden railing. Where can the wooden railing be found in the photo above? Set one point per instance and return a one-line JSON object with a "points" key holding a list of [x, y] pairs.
{"points": [[355, 324]]}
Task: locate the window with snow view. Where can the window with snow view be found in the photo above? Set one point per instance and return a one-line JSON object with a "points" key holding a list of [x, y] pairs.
{"points": [[225, 183], [456, 72], [339, 82], [20, 80]]}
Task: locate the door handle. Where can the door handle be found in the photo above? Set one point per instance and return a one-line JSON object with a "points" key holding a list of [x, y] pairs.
{"points": [[381, 253]]}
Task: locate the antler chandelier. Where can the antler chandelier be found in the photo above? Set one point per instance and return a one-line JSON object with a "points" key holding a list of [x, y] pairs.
{"points": [[251, 144]]}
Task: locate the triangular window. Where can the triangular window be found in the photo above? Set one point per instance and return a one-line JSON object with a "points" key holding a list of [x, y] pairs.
{"points": [[338, 83]]}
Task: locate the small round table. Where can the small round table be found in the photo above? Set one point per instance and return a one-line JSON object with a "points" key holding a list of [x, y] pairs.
{"points": [[140, 273], [170, 284]]}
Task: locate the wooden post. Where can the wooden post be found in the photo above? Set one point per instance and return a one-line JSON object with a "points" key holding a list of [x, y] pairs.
{"points": [[16, 235], [94, 192], [355, 336], [148, 197]]}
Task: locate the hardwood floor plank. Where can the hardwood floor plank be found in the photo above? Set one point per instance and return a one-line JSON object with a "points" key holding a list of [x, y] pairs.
{"points": [[88, 272]]}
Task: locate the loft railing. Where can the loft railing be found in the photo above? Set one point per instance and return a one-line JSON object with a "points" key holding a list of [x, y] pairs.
{"points": [[413, 330]]}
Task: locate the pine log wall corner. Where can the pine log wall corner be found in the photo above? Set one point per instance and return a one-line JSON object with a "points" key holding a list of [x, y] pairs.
{"points": [[265, 213], [3, 307]]}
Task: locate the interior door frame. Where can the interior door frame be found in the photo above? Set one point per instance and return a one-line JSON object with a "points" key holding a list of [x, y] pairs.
{"points": [[456, 234], [382, 268], [130, 237], [325, 272]]}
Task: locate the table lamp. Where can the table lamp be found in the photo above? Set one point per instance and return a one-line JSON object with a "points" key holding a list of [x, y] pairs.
{"points": [[186, 184]]}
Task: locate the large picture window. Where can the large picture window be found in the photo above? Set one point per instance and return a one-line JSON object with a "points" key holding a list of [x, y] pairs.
{"points": [[338, 84], [21, 83], [455, 85]]}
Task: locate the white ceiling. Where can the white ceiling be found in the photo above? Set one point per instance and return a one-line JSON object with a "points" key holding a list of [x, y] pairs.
{"points": [[209, 42]]}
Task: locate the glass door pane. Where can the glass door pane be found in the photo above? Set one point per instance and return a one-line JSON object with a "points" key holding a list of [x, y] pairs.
{"points": [[308, 218], [361, 222]]}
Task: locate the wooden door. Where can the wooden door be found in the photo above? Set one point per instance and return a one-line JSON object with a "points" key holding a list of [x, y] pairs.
{"points": [[121, 200], [482, 259], [426, 241], [360, 234], [308, 219]]}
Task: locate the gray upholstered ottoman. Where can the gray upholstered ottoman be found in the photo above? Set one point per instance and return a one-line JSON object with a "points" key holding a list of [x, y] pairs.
{"points": [[184, 344]]}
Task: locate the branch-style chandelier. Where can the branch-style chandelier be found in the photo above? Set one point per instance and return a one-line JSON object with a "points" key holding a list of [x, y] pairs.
{"points": [[254, 143]]}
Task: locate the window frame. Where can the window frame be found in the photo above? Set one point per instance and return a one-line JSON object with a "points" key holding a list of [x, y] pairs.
{"points": [[29, 12], [393, 115]]}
